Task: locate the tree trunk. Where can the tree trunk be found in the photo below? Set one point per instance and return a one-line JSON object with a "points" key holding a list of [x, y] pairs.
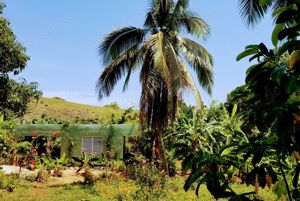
{"points": [[162, 153]]}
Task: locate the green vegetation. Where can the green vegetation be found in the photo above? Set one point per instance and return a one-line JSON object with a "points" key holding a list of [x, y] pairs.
{"points": [[57, 110], [112, 189], [247, 148]]}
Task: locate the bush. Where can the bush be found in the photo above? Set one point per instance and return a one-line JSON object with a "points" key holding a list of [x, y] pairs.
{"points": [[31, 177], [151, 183], [89, 178], [43, 175], [7, 132], [172, 167], [57, 171], [6, 183], [120, 166]]}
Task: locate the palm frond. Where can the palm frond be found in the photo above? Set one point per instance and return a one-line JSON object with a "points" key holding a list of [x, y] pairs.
{"points": [[174, 68], [190, 84], [280, 3], [161, 12], [120, 41], [150, 88], [200, 60], [115, 70], [253, 11], [150, 23], [194, 25], [139, 60], [180, 6], [156, 44]]}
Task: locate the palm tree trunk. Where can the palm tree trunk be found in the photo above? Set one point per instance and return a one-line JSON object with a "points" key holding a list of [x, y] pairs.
{"points": [[162, 153]]}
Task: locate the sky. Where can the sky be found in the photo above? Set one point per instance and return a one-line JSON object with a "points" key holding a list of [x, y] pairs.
{"points": [[62, 38]]}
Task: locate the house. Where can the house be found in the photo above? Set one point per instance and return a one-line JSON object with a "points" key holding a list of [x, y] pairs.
{"points": [[78, 138]]}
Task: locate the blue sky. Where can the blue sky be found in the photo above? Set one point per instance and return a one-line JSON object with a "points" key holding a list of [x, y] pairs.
{"points": [[62, 36]]}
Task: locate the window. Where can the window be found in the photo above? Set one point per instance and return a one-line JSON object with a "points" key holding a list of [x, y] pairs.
{"points": [[92, 145]]}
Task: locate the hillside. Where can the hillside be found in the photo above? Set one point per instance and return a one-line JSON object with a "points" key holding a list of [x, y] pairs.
{"points": [[59, 110]]}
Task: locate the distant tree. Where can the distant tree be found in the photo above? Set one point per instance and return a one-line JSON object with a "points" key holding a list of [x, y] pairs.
{"points": [[14, 96], [160, 53]]}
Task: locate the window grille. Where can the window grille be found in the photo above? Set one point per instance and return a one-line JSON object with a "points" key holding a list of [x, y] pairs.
{"points": [[92, 145]]}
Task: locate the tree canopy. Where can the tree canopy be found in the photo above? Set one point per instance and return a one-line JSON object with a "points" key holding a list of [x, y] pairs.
{"points": [[14, 96], [13, 56]]}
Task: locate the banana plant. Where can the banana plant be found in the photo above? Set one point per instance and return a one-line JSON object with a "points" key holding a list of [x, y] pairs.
{"points": [[207, 144], [86, 161]]}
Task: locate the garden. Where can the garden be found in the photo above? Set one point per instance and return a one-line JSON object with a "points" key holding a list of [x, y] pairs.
{"points": [[242, 149]]}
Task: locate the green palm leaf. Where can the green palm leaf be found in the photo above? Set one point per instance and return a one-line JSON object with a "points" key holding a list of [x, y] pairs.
{"points": [[119, 41], [200, 60], [115, 70], [194, 25]]}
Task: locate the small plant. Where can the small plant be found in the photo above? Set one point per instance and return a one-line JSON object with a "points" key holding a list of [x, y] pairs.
{"points": [[31, 177], [6, 183], [42, 175], [89, 178], [151, 183], [53, 166], [120, 166], [57, 171], [46, 163], [21, 154], [85, 161]]}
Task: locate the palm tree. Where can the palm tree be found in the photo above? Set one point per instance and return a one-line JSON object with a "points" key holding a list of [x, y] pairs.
{"points": [[254, 10], [160, 54]]}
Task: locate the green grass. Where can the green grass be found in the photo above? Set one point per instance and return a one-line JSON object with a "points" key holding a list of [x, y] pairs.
{"points": [[114, 189], [57, 108]]}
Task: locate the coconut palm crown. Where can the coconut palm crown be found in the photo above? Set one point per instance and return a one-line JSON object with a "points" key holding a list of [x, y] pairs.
{"points": [[161, 55]]}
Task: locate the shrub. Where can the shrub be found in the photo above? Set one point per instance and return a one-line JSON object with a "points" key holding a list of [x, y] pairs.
{"points": [[151, 183], [57, 171], [172, 167], [7, 133], [6, 183], [89, 178], [43, 175], [31, 177], [120, 166]]}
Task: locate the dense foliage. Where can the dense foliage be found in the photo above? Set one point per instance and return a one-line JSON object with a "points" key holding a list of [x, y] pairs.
{"points": [[207, 144], [15, 96]]}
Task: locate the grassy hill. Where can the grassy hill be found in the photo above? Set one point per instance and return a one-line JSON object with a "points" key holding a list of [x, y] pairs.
{"points": [[57, 110]]}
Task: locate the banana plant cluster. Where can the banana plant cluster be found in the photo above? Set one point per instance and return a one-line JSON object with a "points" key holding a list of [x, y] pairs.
{"points": [[207, 146], [274, 91]]}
